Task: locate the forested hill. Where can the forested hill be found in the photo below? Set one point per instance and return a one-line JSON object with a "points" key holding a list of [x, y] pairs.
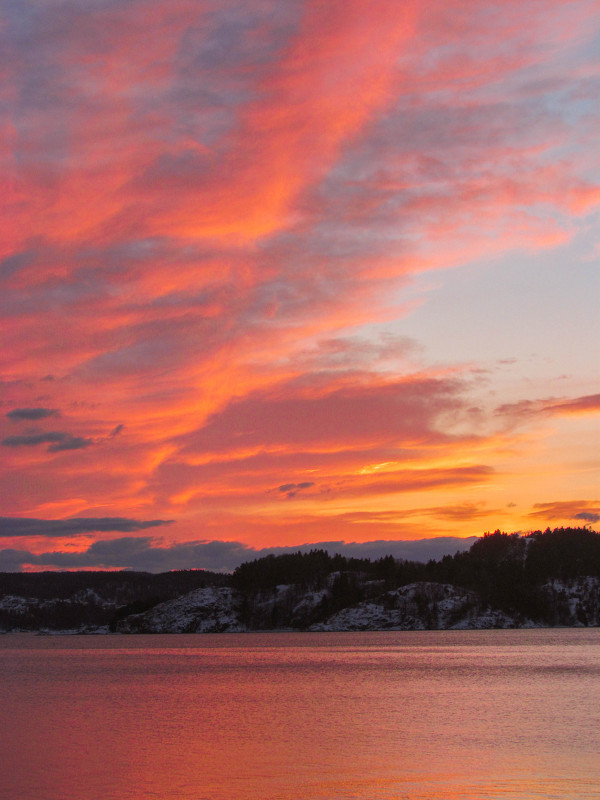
{"points": [[504, 580], [537, 577]]}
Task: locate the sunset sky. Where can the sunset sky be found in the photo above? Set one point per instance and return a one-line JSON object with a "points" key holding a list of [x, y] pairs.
{"points": [[281, 272]]}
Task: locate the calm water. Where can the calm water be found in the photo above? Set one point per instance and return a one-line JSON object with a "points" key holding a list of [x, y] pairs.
{"points": [[425, 715]]}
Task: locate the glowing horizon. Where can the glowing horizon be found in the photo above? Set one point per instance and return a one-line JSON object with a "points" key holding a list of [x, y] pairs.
{"points": [[282, 273]]}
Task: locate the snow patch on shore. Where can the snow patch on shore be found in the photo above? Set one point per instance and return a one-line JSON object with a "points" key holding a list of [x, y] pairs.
{"points": [[208, 610], [421, 606]]}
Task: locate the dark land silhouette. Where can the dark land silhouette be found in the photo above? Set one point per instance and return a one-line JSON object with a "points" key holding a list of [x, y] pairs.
{"points": [[545, 578]]}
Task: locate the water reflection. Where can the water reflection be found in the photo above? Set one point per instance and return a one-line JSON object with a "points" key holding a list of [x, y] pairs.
{"points": [[429, 715]]}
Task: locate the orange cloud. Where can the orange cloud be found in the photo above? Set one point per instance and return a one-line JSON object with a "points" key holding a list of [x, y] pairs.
{"points": [[212, 218], [573, 510]]}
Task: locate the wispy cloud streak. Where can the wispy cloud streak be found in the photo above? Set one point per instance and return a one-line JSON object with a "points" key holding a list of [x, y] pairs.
{"points": [[243, 244]]}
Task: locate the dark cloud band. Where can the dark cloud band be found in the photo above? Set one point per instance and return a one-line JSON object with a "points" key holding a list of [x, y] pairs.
{"points": [[57, 441], [32, 414], [20, 526], [139, 553]]}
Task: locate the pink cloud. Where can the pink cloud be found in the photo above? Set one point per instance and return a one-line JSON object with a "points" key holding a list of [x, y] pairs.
{"points": [[392, 413], [579, 405], [524, 409], [212, 209]]}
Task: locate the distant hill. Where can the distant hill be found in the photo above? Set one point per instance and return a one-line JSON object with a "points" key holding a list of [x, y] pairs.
{"points": [[87, 600], [546, 578]]}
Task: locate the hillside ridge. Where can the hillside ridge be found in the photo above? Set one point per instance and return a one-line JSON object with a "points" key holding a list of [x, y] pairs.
{"points": [[543, 579]]}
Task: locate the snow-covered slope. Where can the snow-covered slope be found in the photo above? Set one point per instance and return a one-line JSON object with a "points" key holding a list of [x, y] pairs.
{"points": [[83, 612], [416, 606], [209, 610], [576, 603], [420, 606]]}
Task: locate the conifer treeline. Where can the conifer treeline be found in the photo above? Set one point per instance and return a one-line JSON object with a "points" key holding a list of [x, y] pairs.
{"points": [[562, 553], [507, 571]]}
